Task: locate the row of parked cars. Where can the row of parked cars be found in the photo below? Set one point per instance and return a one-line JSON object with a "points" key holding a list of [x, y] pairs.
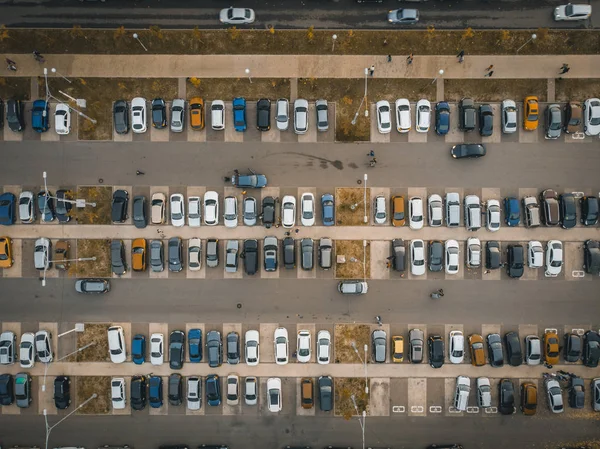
{"points": [[556, 119], [40, 116], [196, 107]]}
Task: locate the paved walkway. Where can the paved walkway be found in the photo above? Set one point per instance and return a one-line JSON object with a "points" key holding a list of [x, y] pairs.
{"points": [[305, 66]]}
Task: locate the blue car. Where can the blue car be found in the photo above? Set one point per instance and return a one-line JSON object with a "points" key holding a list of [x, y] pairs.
{"points": [[138, 349], [442, 118], [46, 206], [155, 392], [195, 345], [250, 181], [213, 390], [512, 211], [239, 114], [7, 209], [40, 116], [328, 209]]}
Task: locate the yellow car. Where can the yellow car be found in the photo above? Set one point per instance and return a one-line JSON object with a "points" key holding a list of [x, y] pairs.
{"points": [[551, 348], [197, 113], [531, 115], [397, 349], [138, 255], [6, 260]]}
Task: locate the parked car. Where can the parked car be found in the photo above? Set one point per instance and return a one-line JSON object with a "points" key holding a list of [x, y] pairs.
{"points": [[194, 393], [530, 113], [175, 250], [379, 209], [27, 211], [14, 115], [515, 261], [211, 208], [591, 257], [289, 253], [157, 344], [417, 257], [325, 393], [194, 254], [533, 350], [138, 255], [568, 210], [270, 248], [442, 118], [43, 346], [591, 349], [307, 212], [486, 120], [553, 121], [23, 393], [252, 348], [159, 113], [323, 347], [513, 349], [138, 115], [239, 114], [251, 390], [512, 211], [213, 390], [274, 394], [573, 117], [288, 211], [551, 347], [384, 117], [41, 254], [178, 115], [8, 344], [452, 257], [576, 392], [468, 115], [26, 349], [555, 399], [230, 212], [495, 352], [281, 342], [45, 205], [62, 392], [214, 349], [250, 256], [194, 339], [116, 344], [415, 350], [120, 201], [62, 119], [528, 398], [212, 253], [263, 114], [554, 258], [550, 205], [436, 255], [403, 115], [572, 348], [155, 391], [282, 116], [233, 348], [506, 403], [435, 344], [322, 115], [473, 252], [300, 116], [40, 114], [231, 256], [138, 389], [175, 389], [6, 257], [197, 113], [233, 389], [378, 346], [7, 209], [435, 210], [138, 349], [217, 115], [415, 212], [117, 393], [535, 254], [589, 210], [509, 117], [423, 116], [303, 346], [456, 350]]}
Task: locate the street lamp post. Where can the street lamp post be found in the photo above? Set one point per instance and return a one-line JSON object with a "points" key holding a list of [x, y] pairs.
{"points": [[365, 260], [80, 259], [248, 73], [533, 37], [61, 75], [78, 203], [137, 38], [79, 327], [363, 99], [334, 38], [440, 73], [365, 177], [49, 428], [362, 421], [364, 362], [49, 95]]}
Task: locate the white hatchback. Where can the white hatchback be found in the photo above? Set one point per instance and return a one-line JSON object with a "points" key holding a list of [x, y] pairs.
{"points": [[384, 117], [217, 115], [452, 251], [415, 212], [230, 214], [116, 344], [307, 216], [380, 214], [211, 208], [473, 252], [403, 113], [280, 340], [138, 115], [493, 215], [509, 117], [62, 119], [456, 351], [423, 116], [194, 211], [252, 347], [117, 393], [177, 210], [43, 346], [323, 347], [157, 349], [554, 258], [300, 116], [274, 394], [194, 254], [535, 254], [288, 211], [27, 350], [282, 115]]}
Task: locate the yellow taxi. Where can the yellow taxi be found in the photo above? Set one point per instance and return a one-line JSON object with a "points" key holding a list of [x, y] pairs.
{"points": [[551, 347], [197, 113], [138, 255], [531, 115], [6, 260], [397, 349]]}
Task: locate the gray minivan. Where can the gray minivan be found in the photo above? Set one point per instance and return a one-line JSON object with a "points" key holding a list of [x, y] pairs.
{"points": [[472, 213], [325, 253], [452, 209], [307, 253], [532, 211]]}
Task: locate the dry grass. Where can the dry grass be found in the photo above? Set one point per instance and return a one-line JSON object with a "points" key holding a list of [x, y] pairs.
{"points": [[494, 90], [100, 93], [100, 267], [345, 197], [587, 444], [355, 253], [278, 42], [101, 214], [344, 389], [345, 335], [224, 88], [15, 88], [576, 89], [86, 387], [94, 333]]}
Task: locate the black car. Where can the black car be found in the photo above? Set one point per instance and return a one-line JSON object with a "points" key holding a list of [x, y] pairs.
{"points": [[46, 206], [325, 393], [513, 348], [398, 255], [507, 397], [14, 115], [117, 257], [289, 253], [436, 255], [591, 257], [175, 254], [233, 348], [120, 200], [175, 390], [62, 392], [63, 208], [176, 349], [159, 113], [467, 114], [467, 150], [268, 211], [514, 266], [589, 210], [576, 392], [7, 391], [572, 347], [250, 256], [493, 257], [121, 116], [435, 344], [214, 349], [138, 392], [591, 349], [139, 212], [308, 253], [486, 120], [495, 352], [568, 210], [263, 114]]}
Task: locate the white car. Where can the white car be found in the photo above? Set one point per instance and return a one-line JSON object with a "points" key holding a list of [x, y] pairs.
{"points": [[456, 349], [417, 257], [194, 393], [41, 254], [554, 258], [484, 392], [535, 254], [452, 262], [178, 115], [157, 341], [509, 117], [62, 119], [177, 209], [555, 399], [217, 115], [323, 347], [26, 207], [415, 213], [230, 214], [282, 114], [288, 211], [403, 115], [303, 346], [423, 116], [493, 215], [384, 117], [237, 16], [252, 348], [233, 389], [27, 350], [307, 215], [435, 208], [572, 12], [194, 211], [249, 211], [280, 340], [194, 254], [117, 393], [591, 116], [211, 208], [380, 213], [158, 208], [300, 116], [116, 344], [43, 346], [138, 115], [473, 252], [274, 394]]}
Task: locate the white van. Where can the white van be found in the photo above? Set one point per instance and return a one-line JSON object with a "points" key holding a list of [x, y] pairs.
{"points": [[452, 209], [461, 397], [472, 213], [217, 115]]}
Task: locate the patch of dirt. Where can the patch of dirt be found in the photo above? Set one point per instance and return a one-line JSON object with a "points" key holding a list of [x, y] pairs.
{"points": [[223, 88], [100, 267], [494, 90], [355, 253], [100, 93], [576, 89], [96, 333], [86, 387], [101, 213], [345, 335], [15, 88], [345, 197], [344, 389]]}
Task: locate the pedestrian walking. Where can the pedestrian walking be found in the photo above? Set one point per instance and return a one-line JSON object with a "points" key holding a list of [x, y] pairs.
{"points": [[38, 56], [389, 58], [564, 70], [236, 171], [374, 160], [297, 231], [565, 66], [372, 70], [11, 65], [371, 153], [409, 59], [489, 74], [287, 233], [460, 54], [138, 173], [388, 264], [226, 179], [385, 42], [489, 68], [461, 59]]}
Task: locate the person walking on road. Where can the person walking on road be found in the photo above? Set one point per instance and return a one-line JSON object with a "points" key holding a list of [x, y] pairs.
{"points": [[564, 69], [138, 173], [38, 56], [460, 54], [389, 58], [461, 59], [11, 65], [372, 70], [409, 59], [371, 153], [489, 74], [489, 68]]}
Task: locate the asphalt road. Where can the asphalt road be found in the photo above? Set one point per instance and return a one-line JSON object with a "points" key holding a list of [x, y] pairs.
{"points": [[507, 14]]}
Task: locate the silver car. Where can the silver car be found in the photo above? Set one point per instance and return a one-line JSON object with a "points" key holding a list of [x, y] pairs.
{"points": [[194, 211], [194, 393], [249, 211], [43, 346], [416, 338], [156, 256], [553, 121], [26, 207], [282, 115], [322, 120], [23, 390], [251, 391], [178, 115], [231, 256], [509, 117], [403, 16], [237, 16], [27, 350], [41, 254], [212, 253]]}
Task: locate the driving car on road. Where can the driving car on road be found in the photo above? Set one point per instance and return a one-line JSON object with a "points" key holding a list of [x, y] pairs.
{"points": [[353, 287], [467, 150], [237, 16], [403, 16], [572, 12]]}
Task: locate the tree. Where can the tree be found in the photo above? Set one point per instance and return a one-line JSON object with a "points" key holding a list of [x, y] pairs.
{"points": [[3, 33], [197, 34], [156, 31], [119, 32], [468, 34], [542, 34], [310, 35], [233, 32], [76, 31]]}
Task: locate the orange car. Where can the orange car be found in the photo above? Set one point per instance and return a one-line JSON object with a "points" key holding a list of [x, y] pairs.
{"points": [[197, 113], [138, 255], [398, 216], [551, 347], [531, 115], [6, 260]]}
